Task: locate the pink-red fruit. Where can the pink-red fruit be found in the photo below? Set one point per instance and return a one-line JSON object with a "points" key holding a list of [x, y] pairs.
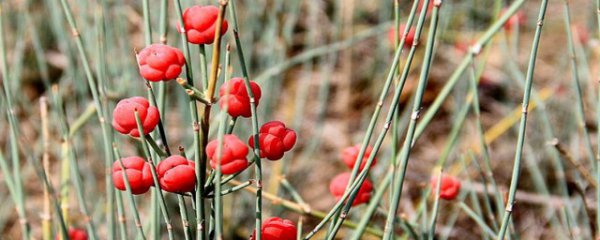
{"points": [[124, 116], [233, 154], [277, 229], [350, 154], [274, 140], [160, 62], [450, 186], [200, 23], [138, 173], [338, 184], [408, 41], [176, 174], [235, 96], [75, 234]]}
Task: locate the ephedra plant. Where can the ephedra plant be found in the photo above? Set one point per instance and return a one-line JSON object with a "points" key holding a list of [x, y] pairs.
{"points": [[188, 120]]}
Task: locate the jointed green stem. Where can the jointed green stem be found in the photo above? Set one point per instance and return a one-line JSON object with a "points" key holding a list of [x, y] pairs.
{"points": [[521, 139], [477, 219], [121, 219], [91, 84], [183, 210], [351, 190], [131, 198], [577, 85], [236, 188], [254, 118], [161, 198], [147, 23], [155, 146], [161, 128], [164, 12], [436, 205], [399, 174], [200, 215], [17, 193], [218, 198]]}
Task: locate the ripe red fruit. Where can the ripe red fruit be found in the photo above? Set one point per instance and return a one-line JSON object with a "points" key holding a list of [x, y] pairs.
{"points": [[350, 154], [277, 229], [275, 139], [200, 24], [233, 154], [581, 33], [124, 116], [450, 186], [75, 234], [138, 173], [159, 62], [519, 18], [338, 186], [409, 38], [176, 174], [234, 94]]}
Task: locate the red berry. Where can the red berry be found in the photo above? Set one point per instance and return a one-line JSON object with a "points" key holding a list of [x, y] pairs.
{"points": [[75, 234], [519, 18], [138, 173], [124, 116], [275, 139], [234, 94], [450, 186], [160, 62], [176, 174], [337, 187], [350, 154], [200, 24], [233, 154], [277, 229], [409, 38], [581, 33]]}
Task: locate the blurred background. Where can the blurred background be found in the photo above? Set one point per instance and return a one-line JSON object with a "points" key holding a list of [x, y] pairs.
{"points": [[321, 65]]}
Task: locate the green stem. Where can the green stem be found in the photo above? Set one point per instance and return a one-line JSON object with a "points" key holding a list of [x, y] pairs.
{"points": [[436, 205], [577, 86], [521, 139], [19, 196], [155, 146], [477, 219], [121, 220], [131, 198], [161, 128], [254, 119], [218, 197], [182, 208], [147, 23], [399, 174], [201, 231], [161, 198], [193, 92], [362, 176], [164, 12], [74, 169], [236, 188]]}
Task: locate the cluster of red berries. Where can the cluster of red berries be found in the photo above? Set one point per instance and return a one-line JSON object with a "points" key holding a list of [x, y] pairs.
{"points": [[177, 174], [338, 185], [158, 62]]}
